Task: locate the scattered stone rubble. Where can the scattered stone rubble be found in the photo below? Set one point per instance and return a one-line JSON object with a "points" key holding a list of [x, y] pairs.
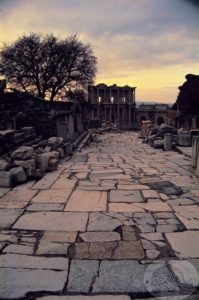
{"points": [[32, 162], [164, 136]]}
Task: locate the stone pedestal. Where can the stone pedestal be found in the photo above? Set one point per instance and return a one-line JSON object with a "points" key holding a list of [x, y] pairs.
{"points": [[168, 142]]}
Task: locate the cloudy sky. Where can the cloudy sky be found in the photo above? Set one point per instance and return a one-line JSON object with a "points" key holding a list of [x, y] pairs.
{"points": [[150, 44]]}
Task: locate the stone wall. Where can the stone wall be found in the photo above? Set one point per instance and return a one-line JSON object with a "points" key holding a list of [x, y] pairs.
{"points": [[19, 110], [195, 154]]}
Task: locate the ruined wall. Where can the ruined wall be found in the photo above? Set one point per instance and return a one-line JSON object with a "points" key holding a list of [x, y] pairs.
{"points": [[19, 110], [188, 103]]}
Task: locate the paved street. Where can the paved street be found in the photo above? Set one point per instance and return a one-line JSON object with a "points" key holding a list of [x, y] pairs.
{"points": [[120, 218]]}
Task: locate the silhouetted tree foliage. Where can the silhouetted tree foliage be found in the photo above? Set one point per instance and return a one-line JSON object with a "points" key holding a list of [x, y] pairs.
{"points": [[46, 66]]}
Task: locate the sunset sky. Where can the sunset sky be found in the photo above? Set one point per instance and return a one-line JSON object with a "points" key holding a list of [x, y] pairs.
{"points": [[150, 44]]}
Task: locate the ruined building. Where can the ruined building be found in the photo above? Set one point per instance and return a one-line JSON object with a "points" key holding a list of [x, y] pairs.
{"points": [[188, 103], [113, 103]]}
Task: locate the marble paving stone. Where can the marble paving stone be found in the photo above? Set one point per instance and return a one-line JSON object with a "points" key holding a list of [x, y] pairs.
{"points": [[64, 184], [11, 238], [189, 220], [56, 221], [45, 207], [60, 236], [132, 187], [48, 247], [52, 196], [124, 207], [153, 236], [25, 281], [33, 262], [184, 244], [21, 249], [23, 195], [81, 276], [46, 182], [9, 216], [128, 196], [87, 201], [150, 194], [185, 272], [13, 204], [128, 276], [166, 228], [102, 222], [100, 236], [128, 250], [154, 207]]}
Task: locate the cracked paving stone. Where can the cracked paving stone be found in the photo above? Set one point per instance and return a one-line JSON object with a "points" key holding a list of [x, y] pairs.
{"points": [[101, 222], [128, 277], [185, 272], [56, 221], [103, 236], [9, 216], [87, 201], [81, 276], [34, 280], [125, 196]]}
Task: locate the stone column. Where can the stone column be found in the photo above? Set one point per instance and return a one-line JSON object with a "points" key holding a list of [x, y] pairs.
{"points": [[168, 142], [123, 115], [130, 116]]}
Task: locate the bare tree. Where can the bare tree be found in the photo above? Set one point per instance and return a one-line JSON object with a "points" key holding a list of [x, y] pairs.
{"points": [[46, 66]]}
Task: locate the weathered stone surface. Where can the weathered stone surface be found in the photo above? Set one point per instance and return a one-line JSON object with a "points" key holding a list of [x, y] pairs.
{"points": [[132, 187], [33, 262], [4, 165], [184, 244], [23, 153], [128, 250], [81, 276], [153, 236], [185, 272], [34, 280], [49, 196], [101, 222], [124, 207], [120, 277], [28, 165], [152, 254], [5, 179], [96, 297], [21, 249], [47, 247], [102, 236], [125, 196], [154, 207], [23, 195], [9, 216], [3, 191], [45, 207], [64, 184], [87, 201], [46, 182], [57, 221], [12, 238], [128, 233], [148, 245], [60, 236], [150, 194]]}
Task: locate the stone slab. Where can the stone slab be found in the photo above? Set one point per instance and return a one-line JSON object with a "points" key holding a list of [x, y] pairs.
{"points": [[33, 262], [60, 236], [127, 196], [87, 201], [101, 222], [81, 276], [100, 236], [64, 184], [33, 280], [9, 216], [184, 244], [46, 182], [56, 221], [52, 196], [23, 195], [45, 207], [124, 207]]}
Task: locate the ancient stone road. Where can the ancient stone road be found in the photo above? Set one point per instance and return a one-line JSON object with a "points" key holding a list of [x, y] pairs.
{"points": [[98, 224]]}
